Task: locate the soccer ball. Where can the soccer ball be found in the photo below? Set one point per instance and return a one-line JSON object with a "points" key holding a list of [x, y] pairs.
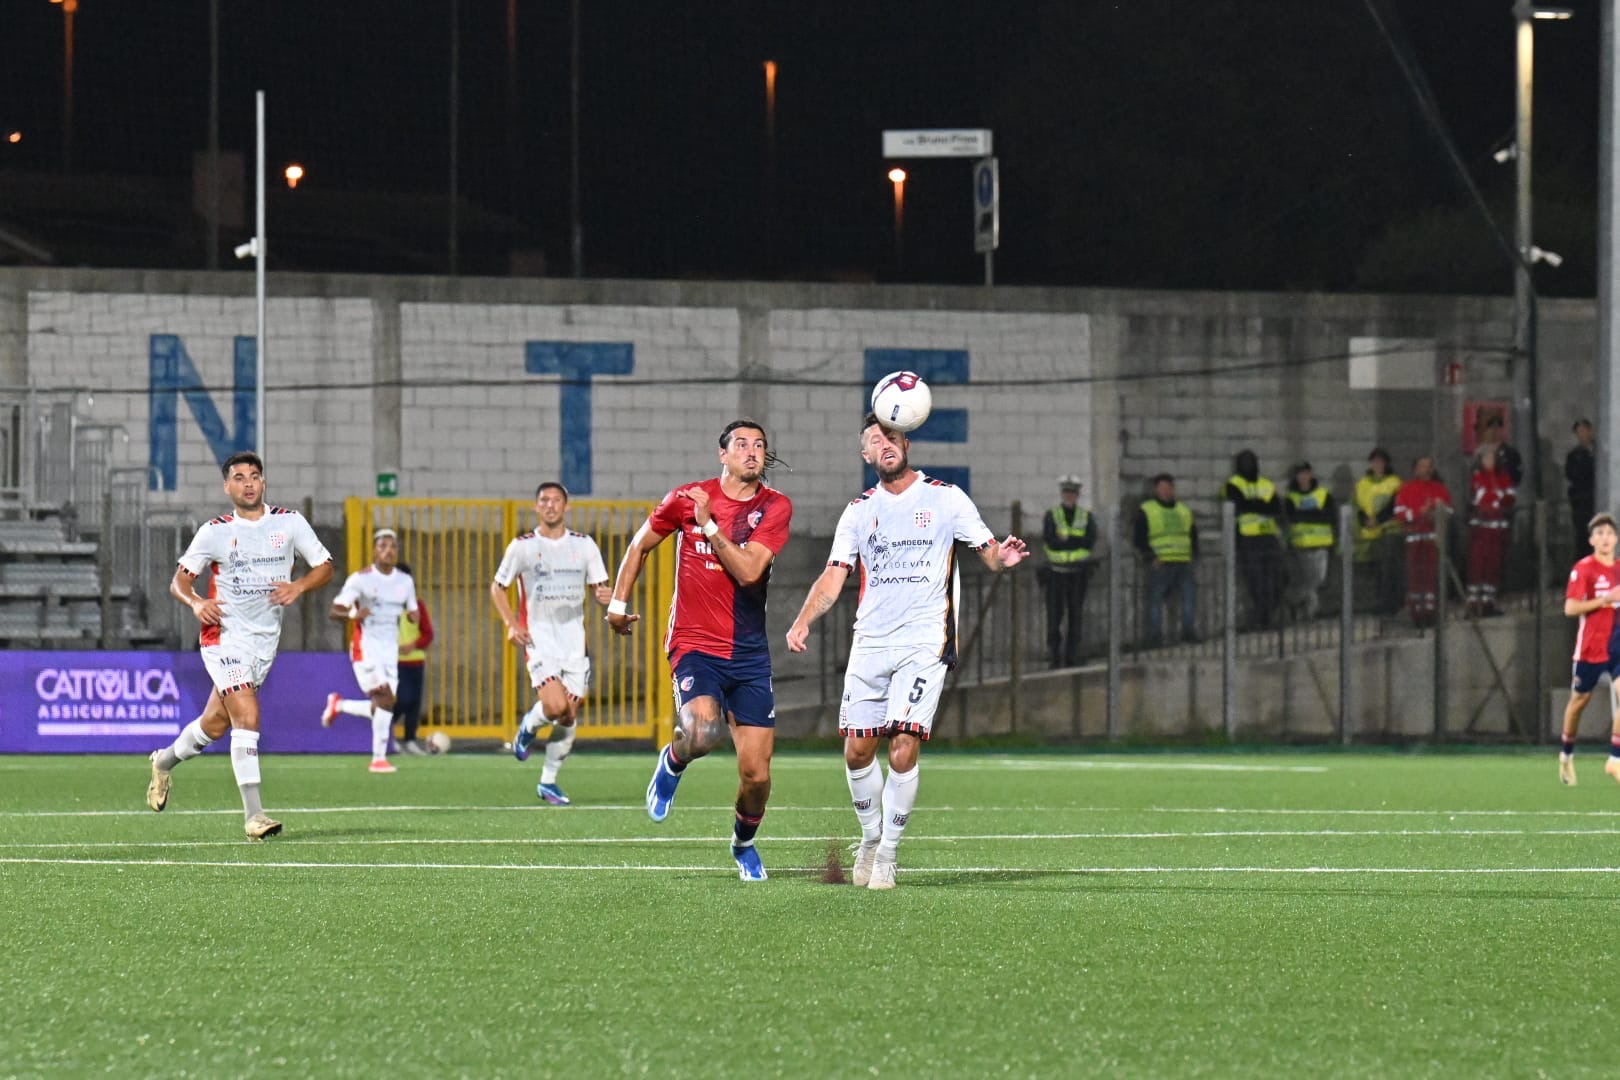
{"points": [[439, 742], [901, 400]]}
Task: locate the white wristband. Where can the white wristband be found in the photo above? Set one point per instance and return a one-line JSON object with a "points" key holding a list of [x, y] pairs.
{"points": [[617, 607], [710, 528]]}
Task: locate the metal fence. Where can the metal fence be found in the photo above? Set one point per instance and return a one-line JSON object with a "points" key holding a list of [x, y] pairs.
{"points": [[477, 681], [1004, 623]]}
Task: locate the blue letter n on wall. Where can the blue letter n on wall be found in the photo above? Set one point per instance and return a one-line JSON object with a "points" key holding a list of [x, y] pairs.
{"points": [[576, 362], [174, 375]]}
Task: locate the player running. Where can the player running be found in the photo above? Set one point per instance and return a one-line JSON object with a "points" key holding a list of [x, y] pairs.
{"points": [[731, 529], [901, 535], [1593, 592], [250, 552], [553, 566], [370, 604]]}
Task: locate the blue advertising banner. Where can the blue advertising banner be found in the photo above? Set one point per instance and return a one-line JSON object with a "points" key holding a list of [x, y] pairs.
{"points": [[134, 702]]}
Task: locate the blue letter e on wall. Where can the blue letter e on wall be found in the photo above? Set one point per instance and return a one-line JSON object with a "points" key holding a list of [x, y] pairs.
{"points": [[173, 376]]}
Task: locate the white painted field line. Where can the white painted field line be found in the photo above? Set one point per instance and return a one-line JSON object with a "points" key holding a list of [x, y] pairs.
{"points": [[829, 761], [564, 841], [840, 808], [710, 867], [989, 761], [796, 761]]}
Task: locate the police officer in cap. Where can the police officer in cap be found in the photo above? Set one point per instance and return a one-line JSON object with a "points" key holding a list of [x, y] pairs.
{"points": [[1070, 534]]}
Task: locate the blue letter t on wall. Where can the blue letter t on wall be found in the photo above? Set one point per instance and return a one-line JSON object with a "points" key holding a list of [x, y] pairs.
{"points": [[576, 362]]}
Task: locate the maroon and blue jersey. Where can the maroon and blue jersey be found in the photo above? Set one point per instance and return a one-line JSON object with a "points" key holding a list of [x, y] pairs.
{"points": [[711, 613]]}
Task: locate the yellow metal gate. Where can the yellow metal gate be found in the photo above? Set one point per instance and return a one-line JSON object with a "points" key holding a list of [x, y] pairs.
{"points": [[476, 684]]}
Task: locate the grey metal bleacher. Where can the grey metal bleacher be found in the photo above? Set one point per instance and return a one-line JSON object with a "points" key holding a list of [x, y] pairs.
{"points": [[50, 586], [19, 538]]}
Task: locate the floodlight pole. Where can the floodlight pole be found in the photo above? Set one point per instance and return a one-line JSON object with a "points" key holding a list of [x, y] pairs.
{"points": [[1524, 309], [211, 257], [260, 251], [1608, 285]]}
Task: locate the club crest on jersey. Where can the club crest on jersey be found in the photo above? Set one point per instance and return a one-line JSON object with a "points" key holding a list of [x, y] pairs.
{"points": [[923, 518], [754, 518], [878, 545], [278, 540]]}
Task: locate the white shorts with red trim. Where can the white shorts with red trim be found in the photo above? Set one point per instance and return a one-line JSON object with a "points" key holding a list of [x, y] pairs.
{"points": [[232, 669], [891, 691], [376, 674], [574, 673]]}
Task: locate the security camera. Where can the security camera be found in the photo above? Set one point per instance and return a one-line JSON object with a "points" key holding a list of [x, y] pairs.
{"points": [[1551, 258], [247, 250]]}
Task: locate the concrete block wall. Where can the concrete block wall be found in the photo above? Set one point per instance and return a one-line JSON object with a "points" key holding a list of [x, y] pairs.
{"points": [[650, 430], [1214, 374], [100, 342], [427, 377]]}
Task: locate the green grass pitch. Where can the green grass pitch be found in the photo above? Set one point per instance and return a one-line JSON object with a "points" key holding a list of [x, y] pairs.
{"points": [[1062, 914]]}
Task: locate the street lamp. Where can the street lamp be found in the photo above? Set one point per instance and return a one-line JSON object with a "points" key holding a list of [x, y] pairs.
{"points": [[68, 8], [898, 177], [293, 173], [770, 166], [1525, 15]]}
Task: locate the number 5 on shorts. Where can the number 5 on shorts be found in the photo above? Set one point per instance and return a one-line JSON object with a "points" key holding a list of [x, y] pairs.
{"points": [[918, 689]]}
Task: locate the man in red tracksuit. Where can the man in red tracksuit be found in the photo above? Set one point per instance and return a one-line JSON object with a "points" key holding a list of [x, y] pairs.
{"points": [[1491, 495], [1415, 505]]}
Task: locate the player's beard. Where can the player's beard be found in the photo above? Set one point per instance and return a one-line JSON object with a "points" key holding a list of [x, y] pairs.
{"points": [[748, 476], [888, 476], [243, 503]]}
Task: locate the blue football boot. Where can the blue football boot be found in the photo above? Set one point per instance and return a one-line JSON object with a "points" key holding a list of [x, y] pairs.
{"points": [[552, 794], [524, 740], [749, 868], [661, 788]]}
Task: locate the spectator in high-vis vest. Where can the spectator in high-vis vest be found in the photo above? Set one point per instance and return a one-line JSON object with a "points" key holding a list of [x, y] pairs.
{"points": [[1069, 532], [1168, 539], [414, 639], [1312, 520], [1416, 505], [1380, 536], [1254, 499]]}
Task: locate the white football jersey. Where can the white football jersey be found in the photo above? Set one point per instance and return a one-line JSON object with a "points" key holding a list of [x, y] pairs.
{"points": [[385, 597], [902, 548], [248, 558], [552, 576]]}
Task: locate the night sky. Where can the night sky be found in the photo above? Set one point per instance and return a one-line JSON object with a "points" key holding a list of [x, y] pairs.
{"points": [[1224, 144]]}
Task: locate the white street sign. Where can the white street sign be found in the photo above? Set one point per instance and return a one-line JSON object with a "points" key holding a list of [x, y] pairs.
{"points": [[937, 142]]}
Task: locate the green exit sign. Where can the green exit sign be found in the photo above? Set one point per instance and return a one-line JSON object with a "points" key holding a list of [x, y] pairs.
{"points": [[387, 485]]}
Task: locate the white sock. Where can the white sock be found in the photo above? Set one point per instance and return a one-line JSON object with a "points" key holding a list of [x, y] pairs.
{"points": [[188, 744], [532, 719], [382, 725], [866, 790], [352, 707], [245, 764], [899, 795], [557, 750]]}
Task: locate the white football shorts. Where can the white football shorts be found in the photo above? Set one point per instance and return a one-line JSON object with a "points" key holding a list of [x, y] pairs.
{"points": [[232, 669], [574, 673], [376, 674], [890, 691]]}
